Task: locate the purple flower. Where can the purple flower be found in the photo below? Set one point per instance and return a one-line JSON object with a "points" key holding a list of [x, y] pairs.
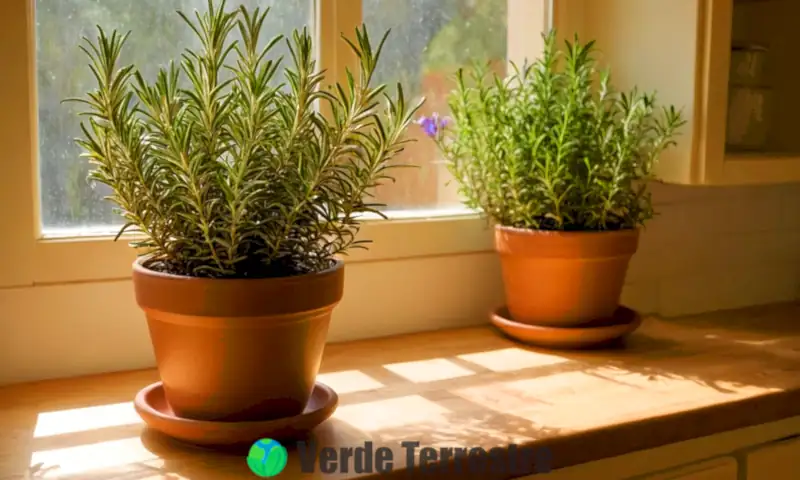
{"points": [[433, 125]]}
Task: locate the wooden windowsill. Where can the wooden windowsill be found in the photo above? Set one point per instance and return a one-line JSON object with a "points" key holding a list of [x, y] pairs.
{"points": [[677, 380]]}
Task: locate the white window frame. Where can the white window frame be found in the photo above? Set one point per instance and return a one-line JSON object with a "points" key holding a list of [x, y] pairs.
{"points": [[29, 259]]}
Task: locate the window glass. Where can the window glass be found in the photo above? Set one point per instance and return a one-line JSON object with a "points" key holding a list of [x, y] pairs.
{"points": [[429, 41], [70, 204]]}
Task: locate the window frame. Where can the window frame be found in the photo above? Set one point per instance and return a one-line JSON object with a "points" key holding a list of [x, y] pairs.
{"points": [[29, 259]]}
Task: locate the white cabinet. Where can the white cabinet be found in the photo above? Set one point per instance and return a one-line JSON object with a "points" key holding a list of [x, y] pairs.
{"points": [[742, 123], [775, 461]]}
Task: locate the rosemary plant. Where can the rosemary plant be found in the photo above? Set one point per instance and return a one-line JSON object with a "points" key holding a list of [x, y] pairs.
{"points": [[549, 148], [227, 172]]}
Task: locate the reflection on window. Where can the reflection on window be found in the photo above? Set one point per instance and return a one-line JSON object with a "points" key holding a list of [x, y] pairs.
{"points": [[158, 35], [430, 39]]}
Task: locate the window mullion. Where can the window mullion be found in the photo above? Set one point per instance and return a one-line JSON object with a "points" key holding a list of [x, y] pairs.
{"points": [[335, 18], [527, 20]]}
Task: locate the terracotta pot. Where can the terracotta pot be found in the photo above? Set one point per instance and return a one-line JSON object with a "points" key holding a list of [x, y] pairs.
{"points": [[563, 279], [238, 349]]}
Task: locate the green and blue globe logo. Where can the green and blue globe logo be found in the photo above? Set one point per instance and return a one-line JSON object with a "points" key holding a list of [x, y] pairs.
{"points": [[267, 458]]}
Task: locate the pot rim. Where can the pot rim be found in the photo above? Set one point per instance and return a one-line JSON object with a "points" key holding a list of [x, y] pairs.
{"points": [[139, 268], [566, 233]]}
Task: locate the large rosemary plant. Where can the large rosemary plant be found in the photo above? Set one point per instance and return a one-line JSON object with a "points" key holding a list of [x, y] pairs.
{"points": [[228, 173], [550, 148]]}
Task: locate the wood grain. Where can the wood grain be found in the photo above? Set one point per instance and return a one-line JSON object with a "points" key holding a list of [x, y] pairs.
{"points": [[674, 380]]}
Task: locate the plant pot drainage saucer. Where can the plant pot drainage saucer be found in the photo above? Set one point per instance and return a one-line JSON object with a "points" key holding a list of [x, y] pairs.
{"points": [[151, 404], [621, 324]]}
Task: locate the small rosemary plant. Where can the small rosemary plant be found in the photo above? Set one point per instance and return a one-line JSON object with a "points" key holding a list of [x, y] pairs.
{"points": [[228, 173], [550, 149]]}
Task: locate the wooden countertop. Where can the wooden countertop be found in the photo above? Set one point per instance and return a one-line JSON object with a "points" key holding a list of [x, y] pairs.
{"points": [[676, 380]]}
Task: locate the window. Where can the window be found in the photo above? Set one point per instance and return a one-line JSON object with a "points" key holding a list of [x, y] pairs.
{"points": [[56, 226], [69, 203], [429, 41]]}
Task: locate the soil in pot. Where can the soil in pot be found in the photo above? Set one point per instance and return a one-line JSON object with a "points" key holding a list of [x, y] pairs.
{"points": [[238, 349], [563, 279]]}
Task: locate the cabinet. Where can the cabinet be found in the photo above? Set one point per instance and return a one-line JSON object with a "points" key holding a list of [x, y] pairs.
{"points": [[720, 469], [775, 461], [725, 468], [762, 452], [706, 56]]}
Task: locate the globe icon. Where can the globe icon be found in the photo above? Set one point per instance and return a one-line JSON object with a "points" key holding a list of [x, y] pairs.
{"points": [[267, 458]]}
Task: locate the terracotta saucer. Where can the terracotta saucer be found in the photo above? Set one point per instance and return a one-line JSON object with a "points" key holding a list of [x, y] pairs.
{"points": [[621, 324], [152, 406]]}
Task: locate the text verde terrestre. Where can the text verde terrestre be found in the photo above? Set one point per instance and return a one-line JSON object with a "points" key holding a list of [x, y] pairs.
{"points": [[369, 459]]}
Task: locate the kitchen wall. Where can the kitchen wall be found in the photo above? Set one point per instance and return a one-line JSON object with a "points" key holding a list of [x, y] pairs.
{"points": [[717, 248]]}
